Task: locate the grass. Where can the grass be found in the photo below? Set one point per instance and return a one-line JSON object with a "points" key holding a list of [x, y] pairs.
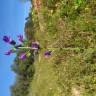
{"points": [[57, 75], [45, 77], [72, 70]]}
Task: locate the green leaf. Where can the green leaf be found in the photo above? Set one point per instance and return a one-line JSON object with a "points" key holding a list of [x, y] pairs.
{"points": [[28, 54]]}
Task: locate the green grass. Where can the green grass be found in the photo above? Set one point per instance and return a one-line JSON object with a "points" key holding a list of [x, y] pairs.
{"points": [[45, 78], [57, 75], [71, 25]]}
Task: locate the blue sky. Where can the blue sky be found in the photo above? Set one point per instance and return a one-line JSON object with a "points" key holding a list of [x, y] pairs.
{"points": [[12, 21]]}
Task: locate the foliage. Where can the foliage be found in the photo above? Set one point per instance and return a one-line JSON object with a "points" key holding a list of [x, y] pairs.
{"points": [[20, 87], [69, 24], [24, 69], [29, 31]]}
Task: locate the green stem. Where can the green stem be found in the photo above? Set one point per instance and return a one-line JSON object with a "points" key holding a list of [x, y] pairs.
{"points": [[77, 48], [27, 48]]}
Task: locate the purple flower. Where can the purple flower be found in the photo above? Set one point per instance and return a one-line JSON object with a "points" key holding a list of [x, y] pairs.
{"points": [[35, 45], [47, 53], [22, 56], [20, 38], [7, 39], [8, 52]]}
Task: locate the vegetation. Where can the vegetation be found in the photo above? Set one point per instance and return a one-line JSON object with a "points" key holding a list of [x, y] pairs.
{"points": [[68, 28], [24, 69]]}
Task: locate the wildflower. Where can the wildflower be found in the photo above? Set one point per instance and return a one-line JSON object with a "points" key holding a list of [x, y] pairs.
{"points": [[35, 45], [20, 38], [8, 52], [7, 39], [22, 56], [47, 53]]}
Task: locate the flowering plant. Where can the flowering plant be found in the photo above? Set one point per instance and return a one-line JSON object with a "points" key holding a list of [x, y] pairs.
{"points": [[35, 46]]}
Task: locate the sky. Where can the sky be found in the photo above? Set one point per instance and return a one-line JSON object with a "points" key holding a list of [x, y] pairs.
{"points": [[12, 22]]}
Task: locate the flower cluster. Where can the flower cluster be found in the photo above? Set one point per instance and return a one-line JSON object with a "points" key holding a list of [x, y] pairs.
{"points": [[34, 46], [12, 42]]}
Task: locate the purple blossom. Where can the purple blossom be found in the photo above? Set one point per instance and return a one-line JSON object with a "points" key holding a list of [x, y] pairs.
{"points": [[7, 39], [35, 45], [22, 56], [20, 38], [8, 52], [47, 53]]}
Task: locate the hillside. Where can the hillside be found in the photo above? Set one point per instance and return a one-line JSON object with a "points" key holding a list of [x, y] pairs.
{"points": [[71, 25], [68, 29]]}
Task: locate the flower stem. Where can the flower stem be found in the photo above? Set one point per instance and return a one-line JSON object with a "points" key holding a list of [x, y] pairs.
{"points": [[30, 48]]}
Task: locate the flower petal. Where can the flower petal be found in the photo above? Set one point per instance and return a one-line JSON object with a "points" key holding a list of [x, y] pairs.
{"points": [[22, 56], [35, 45], [20, 38], [8, 52], [7, 39], [47, 53]]}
